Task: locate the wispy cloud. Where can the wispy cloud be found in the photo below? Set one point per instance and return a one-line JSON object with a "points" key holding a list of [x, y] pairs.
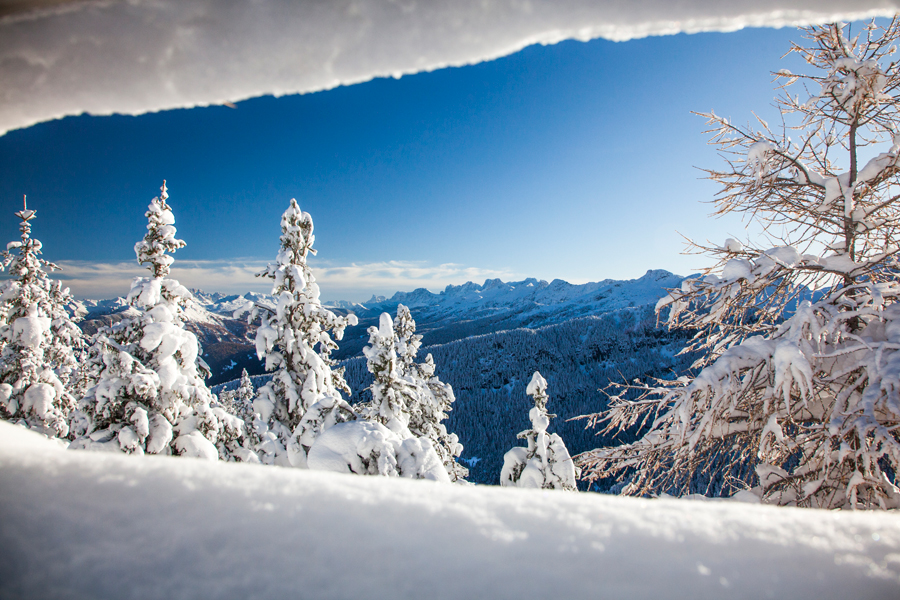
{"points": [[356, 281]]}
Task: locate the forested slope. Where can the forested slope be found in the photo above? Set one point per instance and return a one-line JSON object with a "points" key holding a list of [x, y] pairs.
{"points": [[578, 358]]}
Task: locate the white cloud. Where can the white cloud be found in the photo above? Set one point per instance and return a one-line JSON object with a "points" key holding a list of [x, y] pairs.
{"points": [[110, 279], [146, 55], [357, 281]]}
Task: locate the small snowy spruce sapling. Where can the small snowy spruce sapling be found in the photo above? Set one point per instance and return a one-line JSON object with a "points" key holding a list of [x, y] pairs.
{"points": [[240, 403], [303, 399], [38, 339], [798, 393], [545, 463], [150, 395]]}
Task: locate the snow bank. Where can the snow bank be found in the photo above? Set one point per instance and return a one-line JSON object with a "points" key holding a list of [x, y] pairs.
{"points": [[85, 525], [145, 55]]}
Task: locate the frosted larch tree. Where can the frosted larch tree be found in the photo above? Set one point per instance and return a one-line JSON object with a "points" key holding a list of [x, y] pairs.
{"points": [[150, 395], [295, 338], [38, 338], [545, 463], [797, 396]]}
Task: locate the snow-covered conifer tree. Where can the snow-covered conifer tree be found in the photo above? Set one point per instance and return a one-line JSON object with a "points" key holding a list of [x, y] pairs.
{"points": [[798, 392], [393, 396], [393, 437], [406, 341], [432, 400], [38, 338], [242, 398], [150, 395], [545, 463], [426, 420], [295, 338]]}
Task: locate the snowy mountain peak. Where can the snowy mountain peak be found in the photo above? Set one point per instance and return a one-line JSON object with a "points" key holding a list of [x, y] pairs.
{"points": [[655, 275], [491, 283]]}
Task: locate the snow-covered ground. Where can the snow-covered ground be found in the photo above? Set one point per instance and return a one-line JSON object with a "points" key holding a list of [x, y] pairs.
{"points": [[86, 525]]}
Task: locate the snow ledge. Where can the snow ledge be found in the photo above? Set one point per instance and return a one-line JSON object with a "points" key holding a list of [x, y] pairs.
{"points": [[65, 57], [89, 525]]}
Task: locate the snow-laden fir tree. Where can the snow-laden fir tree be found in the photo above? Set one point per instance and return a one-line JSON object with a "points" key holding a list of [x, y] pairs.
{"points": [[545, 463], [409, 402], [408, 392], [295, 337], [240, 401], [149, 395], [393, 396], [426, 421], [38, 338], [798, 392]]}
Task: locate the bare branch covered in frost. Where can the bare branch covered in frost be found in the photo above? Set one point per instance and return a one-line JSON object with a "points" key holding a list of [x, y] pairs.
{"points": [[799, 382]]}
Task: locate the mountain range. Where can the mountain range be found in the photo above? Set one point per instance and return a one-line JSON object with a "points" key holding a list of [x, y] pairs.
{"points": [[457, 312]]}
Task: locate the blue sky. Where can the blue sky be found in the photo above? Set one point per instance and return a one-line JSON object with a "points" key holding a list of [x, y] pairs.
{"points": [[572, 161]]}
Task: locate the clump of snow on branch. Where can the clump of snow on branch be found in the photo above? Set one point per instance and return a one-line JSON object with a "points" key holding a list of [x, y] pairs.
{"points": [[545, 463], [38, 339], [370, 448], [797, 393], [303, 399], [148, 393]]}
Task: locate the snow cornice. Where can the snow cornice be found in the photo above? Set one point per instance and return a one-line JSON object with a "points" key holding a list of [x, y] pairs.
{"points": [[60, 58]]}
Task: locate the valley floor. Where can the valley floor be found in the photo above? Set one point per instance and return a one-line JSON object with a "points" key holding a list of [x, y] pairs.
{"points": [[87, 525]]}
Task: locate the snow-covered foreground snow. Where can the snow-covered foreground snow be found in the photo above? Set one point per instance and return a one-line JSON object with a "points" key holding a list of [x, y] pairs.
{"points": [[90, 525]]}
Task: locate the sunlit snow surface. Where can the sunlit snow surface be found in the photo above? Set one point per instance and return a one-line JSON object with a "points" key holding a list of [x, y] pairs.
{"points": [[89, 525], [101, 57]]}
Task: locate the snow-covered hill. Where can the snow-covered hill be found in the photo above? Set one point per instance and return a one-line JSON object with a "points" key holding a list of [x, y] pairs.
{"points": [[89, 525]]}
